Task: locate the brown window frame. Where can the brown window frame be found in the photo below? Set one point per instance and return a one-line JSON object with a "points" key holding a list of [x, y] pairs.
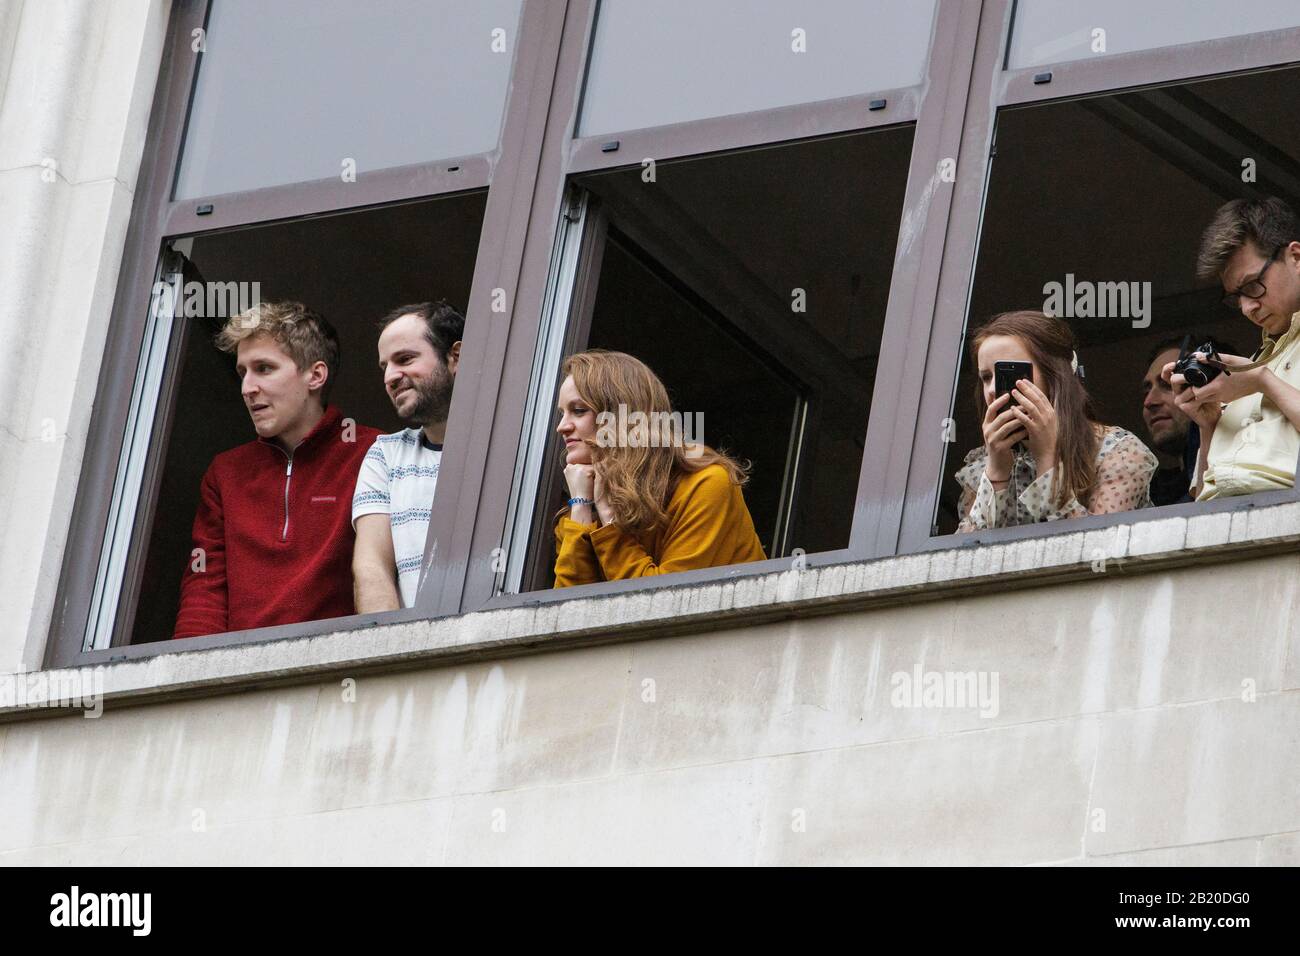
{"points": [[937, 130], [156, 218], [993, 88], [953, 110]]}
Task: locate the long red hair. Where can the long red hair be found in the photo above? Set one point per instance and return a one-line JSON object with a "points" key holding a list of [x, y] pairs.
{"points": [[639, 479]]}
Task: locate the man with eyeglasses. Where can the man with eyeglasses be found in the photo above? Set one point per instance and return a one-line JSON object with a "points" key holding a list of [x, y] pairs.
{"points": [[1249, 419]]}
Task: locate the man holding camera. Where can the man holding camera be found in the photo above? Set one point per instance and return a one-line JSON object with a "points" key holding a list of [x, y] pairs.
{"points": [[1170, 434], [1248, 411]]}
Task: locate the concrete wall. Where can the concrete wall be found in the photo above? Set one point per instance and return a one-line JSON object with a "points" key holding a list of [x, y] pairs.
{"points": [[1146, 714], [78, 80], [1121, 735]]}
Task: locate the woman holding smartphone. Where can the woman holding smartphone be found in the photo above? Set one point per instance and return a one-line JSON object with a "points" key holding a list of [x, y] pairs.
{"points": [[1045, 456], [642, 501]]}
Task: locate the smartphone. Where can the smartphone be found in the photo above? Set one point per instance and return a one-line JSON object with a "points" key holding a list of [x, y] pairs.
{"points": [[1006, 374]]}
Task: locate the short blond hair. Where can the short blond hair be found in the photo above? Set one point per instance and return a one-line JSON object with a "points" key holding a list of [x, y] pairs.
{"points": [[303, 334]]}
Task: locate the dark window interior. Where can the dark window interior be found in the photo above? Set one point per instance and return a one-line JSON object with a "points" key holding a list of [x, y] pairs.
{"points": [[696, 278], [352, 268], [1120, 188], [678, 335]]}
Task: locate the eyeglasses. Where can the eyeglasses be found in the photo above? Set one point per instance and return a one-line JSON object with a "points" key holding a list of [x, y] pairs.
{"points": [[1254, 289]]}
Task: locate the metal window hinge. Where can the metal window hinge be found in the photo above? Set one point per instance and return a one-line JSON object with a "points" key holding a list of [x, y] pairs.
{"points": [[573, 208]]}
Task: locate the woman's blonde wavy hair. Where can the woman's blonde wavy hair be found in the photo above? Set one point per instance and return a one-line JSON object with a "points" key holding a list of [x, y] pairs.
{"points": [[639, 479]]}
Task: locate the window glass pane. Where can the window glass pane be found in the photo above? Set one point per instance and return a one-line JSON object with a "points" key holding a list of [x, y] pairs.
{"points": [[351, 268], [1055, 31], [287, 92], [677, 60], [760, 304], [1095, 212]]}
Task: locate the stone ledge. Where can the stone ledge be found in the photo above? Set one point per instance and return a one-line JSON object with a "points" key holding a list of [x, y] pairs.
{"points": [[688, 608]]}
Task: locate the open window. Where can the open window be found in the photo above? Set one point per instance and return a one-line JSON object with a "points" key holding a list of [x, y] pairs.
{"points": [[350, 267], [266, 180], [758, 301], [1107, 196]]}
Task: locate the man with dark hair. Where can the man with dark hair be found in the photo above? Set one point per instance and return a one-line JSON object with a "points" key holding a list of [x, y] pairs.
{"points": [[1249, 420], [272, 543], [1174, 441], [419, 352]]}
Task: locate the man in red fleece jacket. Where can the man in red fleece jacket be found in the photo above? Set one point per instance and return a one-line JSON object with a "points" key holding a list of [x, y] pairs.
{"points": [[273, 533]]}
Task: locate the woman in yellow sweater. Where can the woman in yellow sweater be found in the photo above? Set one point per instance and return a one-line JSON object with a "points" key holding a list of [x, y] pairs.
{"points": [[642, 501]]}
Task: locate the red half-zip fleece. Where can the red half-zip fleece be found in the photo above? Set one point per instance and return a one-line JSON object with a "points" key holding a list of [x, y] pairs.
{"points": [[276, 533]]}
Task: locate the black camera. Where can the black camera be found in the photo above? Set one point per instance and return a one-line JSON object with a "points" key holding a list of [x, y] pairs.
{"points": [[1198, 372]]}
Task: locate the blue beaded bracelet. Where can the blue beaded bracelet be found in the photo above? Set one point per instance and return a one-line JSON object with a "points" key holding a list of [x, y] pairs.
{"points": [[580, 501]]}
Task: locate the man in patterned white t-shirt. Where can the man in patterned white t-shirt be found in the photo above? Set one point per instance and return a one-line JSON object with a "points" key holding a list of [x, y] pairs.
{"points": [[419, 350]]}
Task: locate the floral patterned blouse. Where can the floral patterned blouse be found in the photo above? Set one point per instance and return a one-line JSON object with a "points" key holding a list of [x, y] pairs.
{"points": [[1124, 469]]}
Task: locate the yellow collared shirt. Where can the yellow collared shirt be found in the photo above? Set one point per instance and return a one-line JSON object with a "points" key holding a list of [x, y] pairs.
{"points": [[1254, 446]]}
